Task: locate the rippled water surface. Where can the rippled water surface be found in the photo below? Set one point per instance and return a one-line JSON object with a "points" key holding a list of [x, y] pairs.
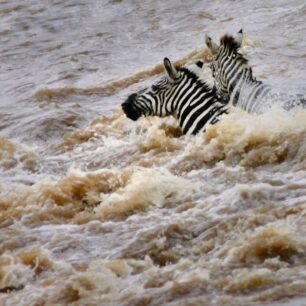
{"points": [[98, 210]]}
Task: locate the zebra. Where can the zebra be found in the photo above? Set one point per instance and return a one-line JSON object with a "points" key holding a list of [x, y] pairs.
{"points": [[234, 81], [182, 93]]}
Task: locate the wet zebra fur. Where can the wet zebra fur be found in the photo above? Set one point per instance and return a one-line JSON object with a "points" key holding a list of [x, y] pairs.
{"points": [[234, 81], [181, 93]]}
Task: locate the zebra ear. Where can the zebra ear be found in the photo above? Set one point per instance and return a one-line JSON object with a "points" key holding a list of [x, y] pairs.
{"points": [[171, 71], [239, 38], [211, 45]]}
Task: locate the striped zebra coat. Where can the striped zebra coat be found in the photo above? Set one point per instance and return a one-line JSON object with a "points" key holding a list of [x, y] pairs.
{"points": [[180, 93], [234, 81]]}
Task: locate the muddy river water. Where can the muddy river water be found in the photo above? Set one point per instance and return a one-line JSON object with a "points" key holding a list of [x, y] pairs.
{"points": [[98, 210]]}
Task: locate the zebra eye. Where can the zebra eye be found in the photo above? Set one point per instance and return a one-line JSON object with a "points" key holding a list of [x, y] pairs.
{"points": [[200, 64], [154, 87]]}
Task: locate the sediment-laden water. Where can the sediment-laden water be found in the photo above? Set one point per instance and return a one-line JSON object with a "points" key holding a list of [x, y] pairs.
{"points": [[98, 210]]}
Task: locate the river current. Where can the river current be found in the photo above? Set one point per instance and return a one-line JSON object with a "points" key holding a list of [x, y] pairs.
{"points": [[96, 209]]}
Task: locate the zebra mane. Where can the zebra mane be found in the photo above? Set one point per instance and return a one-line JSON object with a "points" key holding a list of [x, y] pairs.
{"points": [[195, 78], [229, 43]]}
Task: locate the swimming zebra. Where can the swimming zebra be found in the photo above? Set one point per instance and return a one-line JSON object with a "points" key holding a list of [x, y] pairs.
{"points": [[181, 93], [234, 79]]}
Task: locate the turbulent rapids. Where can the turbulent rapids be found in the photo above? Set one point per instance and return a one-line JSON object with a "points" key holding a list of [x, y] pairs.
{"points": [[158, 218], [96, 209]]}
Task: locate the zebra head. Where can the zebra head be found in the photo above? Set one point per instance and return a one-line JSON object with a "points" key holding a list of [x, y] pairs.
{"points": [[227, 64], [185, 92], [152, 101]]}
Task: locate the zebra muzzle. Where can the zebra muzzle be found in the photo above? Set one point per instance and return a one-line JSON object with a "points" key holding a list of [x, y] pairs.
{"points": [[129, 108]]}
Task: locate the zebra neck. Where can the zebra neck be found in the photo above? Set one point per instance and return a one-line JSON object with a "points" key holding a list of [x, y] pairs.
{"points": [[244, 91], [188, 94], [199, 110], [198, 97], [249, 96]]}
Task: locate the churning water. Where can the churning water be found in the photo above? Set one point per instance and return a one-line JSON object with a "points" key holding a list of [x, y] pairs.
{"points": [[98, 210]]}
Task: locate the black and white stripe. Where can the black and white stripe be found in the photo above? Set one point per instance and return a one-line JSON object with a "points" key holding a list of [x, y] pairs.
{"points": [[182, 94], [234, 79]]}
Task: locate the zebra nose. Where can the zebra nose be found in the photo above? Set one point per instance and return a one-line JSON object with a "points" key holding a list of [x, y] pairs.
{"points": [[129, 101], [129, 107], [131, 98], [124, 104]]}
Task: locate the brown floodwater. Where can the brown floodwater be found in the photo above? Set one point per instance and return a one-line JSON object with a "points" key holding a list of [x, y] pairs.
{"points": [[98, 210]]}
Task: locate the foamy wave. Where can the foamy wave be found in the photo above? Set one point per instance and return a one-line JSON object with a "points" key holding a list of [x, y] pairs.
{"points": [[62, 200], [146, 188], [178, 215], [252, 140], [12, 155]]}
